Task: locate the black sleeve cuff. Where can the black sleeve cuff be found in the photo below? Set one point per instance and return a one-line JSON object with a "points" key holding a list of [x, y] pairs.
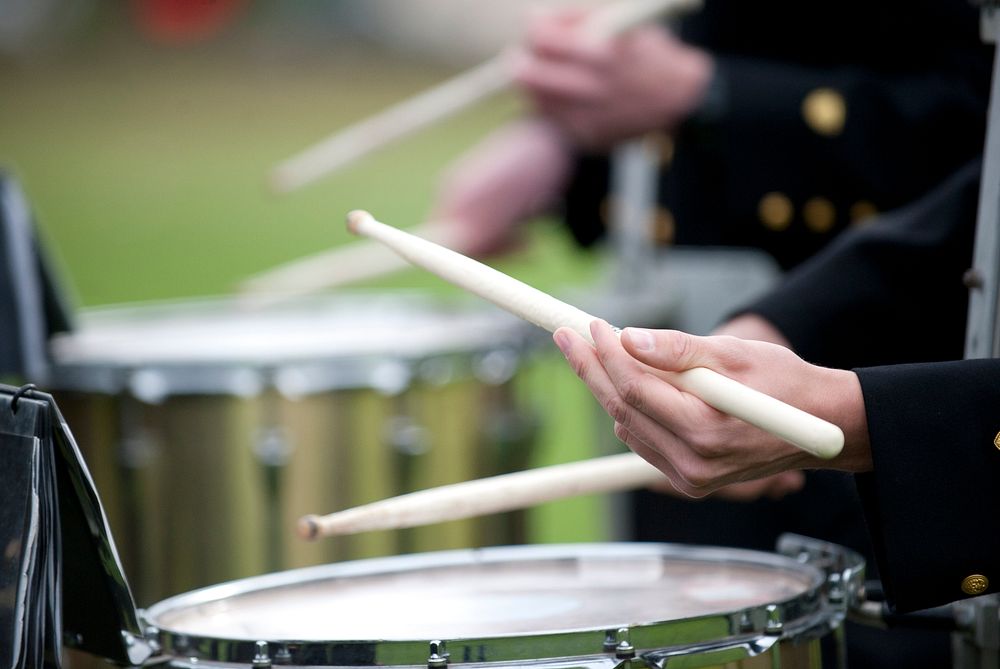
{"points": [[931, 501]]}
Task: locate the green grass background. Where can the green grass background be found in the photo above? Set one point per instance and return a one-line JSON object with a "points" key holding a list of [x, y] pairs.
{"points": [[146, 165]]}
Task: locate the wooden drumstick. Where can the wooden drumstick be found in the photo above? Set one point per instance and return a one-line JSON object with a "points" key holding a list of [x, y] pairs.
{"points": [[811, 434], [446, 99], [339, 266], [495, 494]]}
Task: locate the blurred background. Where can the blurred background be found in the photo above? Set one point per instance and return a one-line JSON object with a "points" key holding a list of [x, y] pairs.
{"points": [[142, 132]]}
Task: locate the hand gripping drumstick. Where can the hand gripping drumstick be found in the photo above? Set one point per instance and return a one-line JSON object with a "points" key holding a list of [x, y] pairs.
{"points": [[495, 494], [811, 434], [446, 99]]}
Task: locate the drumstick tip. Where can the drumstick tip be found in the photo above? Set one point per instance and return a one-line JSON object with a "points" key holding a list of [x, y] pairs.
{"points": [[308, 527], [283, 179], [355, 219]]}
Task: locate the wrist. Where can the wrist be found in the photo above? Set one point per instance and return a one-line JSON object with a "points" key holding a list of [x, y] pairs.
{"points": [[846, 409]]}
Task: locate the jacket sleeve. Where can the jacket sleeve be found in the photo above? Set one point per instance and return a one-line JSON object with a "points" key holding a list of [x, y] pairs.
{"points": [[932, 501]]}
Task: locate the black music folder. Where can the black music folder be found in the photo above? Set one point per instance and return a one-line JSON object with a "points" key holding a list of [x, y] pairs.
{"points": [[61, 582]]}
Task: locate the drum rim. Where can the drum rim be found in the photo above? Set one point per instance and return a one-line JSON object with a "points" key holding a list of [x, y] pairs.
{"points": [[805, 610], [77, 366]]}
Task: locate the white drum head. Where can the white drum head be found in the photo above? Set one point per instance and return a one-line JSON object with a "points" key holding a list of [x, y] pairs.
{"points": [[530, 593]]}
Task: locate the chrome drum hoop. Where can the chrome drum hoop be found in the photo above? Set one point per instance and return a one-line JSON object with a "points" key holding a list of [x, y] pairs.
{"points": [[736, 632]]}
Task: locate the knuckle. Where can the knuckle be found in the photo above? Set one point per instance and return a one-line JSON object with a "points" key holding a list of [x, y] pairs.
{"points": [[680, 348], [709, 439], [702, 441], [632, 391], [709, 449], [619, 410], [696, 473], [685, 488], [730, 351], [698, 493]]}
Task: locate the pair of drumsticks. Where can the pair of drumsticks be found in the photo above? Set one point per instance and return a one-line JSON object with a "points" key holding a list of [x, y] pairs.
{"points": [[607, 474], [518, 490]]}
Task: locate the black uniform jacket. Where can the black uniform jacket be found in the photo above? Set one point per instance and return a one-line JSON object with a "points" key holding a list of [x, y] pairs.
{"points": [[893, 291], [819, 115]]}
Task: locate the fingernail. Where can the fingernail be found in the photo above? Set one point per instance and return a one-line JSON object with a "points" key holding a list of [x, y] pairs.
{"points": [[595, 327], [641, 339], [563, 342]]}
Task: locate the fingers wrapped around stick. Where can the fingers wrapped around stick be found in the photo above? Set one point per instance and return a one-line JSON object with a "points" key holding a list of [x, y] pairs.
{"points": [[697, 447]]}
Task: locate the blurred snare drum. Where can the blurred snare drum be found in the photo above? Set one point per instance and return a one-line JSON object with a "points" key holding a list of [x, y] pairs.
{"points": [[210, 429]]}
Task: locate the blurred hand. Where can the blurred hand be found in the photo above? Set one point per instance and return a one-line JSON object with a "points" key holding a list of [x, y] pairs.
{"points": [[603, 92], [698, 448], [517, 172]]}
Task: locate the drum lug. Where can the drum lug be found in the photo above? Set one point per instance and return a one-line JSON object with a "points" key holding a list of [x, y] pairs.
{"points": [[438, 655], [406, 436], [152, 635], [262, 660], [618, 642], [835, 593], [262, 656], [775, 620], [283, 656], [844, 569], [273, 447]]}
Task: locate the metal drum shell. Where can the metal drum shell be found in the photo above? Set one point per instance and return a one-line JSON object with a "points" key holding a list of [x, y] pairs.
{"points": [[207, 446], [785, 631]]}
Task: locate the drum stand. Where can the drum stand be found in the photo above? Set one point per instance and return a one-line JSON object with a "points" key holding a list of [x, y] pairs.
{"points": [[977, 644], [983, 279], [687, 287]]}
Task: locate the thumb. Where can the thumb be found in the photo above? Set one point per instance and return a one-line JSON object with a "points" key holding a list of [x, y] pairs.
{"points": [[670, 350]]}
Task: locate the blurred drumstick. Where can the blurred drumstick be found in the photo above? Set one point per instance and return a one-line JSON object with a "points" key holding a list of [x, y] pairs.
{"points": [[339, 266], [447, 99], [496, 494], [811, 434]]}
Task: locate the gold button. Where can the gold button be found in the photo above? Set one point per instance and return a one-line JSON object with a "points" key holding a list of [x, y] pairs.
{"points": [[819, 214], [662, 145], [775, 211], [975, 584], [825, 112], [664, 227], [996, 440], [862, 212]]}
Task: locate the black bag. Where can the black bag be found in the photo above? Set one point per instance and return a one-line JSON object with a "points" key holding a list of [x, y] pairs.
{"points": [[60, 577]]}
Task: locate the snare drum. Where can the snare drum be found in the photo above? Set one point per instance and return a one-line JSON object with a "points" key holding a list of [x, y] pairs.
{"points": [[209, 429], [582, 605]]}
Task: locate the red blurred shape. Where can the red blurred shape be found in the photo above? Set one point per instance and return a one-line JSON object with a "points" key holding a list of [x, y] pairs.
{"points": [[184, 21]]}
